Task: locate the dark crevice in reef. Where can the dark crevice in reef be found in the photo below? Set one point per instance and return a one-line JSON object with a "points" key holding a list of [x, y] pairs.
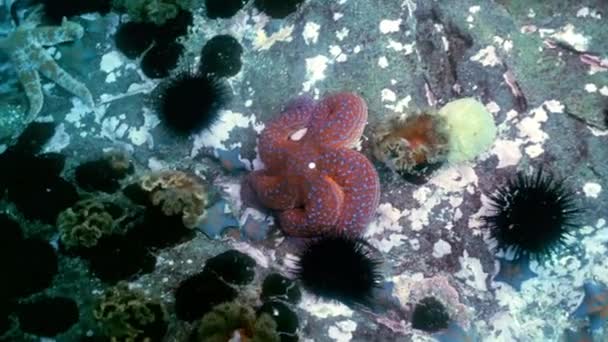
{"points": [[440, 67]]}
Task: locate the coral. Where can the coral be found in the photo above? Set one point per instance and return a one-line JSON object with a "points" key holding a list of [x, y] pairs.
{"points": [[532, 214], [177, 193], [104, 174], [154, 11], [221, 56], [127, 315], [430, 315], [190, 102], [339, 267], [278, 287], [199, 293], [409, 145], [233, 267], [278, 8], [47, 316], [223, 8], [235, 321], [26, 47], [83, 224], [471, 128], [316, 183]]}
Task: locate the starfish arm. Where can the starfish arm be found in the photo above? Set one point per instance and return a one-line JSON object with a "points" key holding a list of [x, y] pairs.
{"points": [[324, 201], [49, 68], [359, 181], [53, 35], [275, 143], [273, 192], [30, 80], [339, 120]]}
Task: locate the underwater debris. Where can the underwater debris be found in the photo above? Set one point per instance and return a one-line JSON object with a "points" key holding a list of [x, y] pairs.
{"points": [[177, 194], [83, 224], [430, 315], [104, 174], [278, 9], [161, 59], [233, 267], [339, 186], [278, 287], [47, 316], [198, 294], [190, 102], [153, 11], [221, 56], [233, 320], [127, 315], [26, 47], [532, 215], [470, 126], [223, 8], [412, 146], [339, 267], [515, 272]]}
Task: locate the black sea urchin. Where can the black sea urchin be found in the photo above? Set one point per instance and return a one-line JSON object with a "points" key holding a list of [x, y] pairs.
{"points": [[533, 215], [190, 102], [339, 267]]}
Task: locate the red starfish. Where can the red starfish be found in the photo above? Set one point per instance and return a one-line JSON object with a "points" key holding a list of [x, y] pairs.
{"points": [[316, 183]]}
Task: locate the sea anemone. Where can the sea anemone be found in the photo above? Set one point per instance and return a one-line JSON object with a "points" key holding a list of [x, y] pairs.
{"points": [[190, 102], [412, 146], [532, 215], [235, 322], [339, 267]]}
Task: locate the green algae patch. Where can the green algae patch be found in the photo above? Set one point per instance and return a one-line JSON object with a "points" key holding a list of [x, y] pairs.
{"points": [[470, 126]]}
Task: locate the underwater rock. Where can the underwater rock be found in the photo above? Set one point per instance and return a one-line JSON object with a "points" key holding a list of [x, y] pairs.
{"points": [[47, 316], [514, 272], [156, 11]]}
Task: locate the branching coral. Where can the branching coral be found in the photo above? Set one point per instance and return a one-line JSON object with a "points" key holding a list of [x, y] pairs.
{"points": [[234, 321], [127, 315], [83, 224], [155, 11], [177, 193]]}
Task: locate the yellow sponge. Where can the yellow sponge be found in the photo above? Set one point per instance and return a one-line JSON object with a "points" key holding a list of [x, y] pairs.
{"points": [[470, 127]]}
